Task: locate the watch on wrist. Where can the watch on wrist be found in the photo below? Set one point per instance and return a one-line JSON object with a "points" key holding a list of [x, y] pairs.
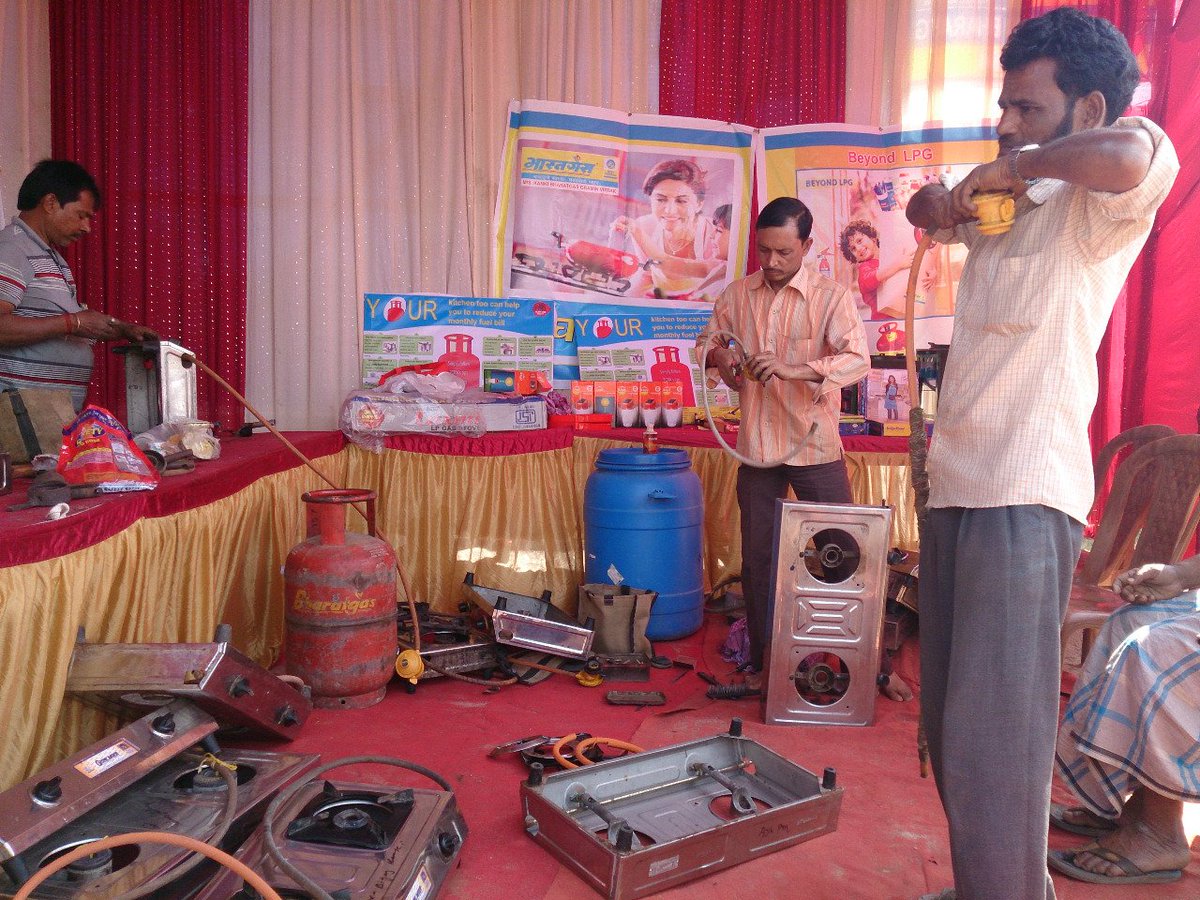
{"points": [[1013, 169]]}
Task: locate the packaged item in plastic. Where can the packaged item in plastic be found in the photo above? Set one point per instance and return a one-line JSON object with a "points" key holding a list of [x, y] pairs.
{"points": [[98, 450]]}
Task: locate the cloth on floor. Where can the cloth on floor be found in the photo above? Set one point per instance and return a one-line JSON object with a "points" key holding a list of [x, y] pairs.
{"points": [[736, 646]]}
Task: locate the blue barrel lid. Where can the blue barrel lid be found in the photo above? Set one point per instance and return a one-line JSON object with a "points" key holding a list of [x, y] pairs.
{"points": [[634, 459]]}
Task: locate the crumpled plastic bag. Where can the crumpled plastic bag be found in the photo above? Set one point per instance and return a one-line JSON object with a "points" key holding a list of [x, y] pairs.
{"points": [[442, 386], [169, 437]]}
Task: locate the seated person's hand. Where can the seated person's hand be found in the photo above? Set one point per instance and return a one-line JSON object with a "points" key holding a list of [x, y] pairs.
{"points": [[1148, 583]]}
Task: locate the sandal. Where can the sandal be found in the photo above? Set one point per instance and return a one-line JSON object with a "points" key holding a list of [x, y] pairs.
{"points": [[1058, 818]]}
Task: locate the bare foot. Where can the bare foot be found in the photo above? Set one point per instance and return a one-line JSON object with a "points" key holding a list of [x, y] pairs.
{"points": [[1142, 845], [897, 689], [1084, 818]]}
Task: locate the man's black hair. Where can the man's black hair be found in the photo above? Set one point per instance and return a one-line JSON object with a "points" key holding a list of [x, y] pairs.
{"points": [[1090, 53], [64, 179], [786, 211]]}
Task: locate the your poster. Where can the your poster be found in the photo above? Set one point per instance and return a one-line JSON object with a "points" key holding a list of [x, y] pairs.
{"points": [[617, 342], [857, 183], [469, 334], [597, 204]]}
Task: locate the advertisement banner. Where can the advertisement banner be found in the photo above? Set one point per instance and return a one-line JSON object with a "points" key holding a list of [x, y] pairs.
{"points": [[618, 342], [857, 183], [469, 334], [601, 205]]}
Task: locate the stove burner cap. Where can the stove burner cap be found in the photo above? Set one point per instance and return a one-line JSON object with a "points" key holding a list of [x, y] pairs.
{"points": [[89, 868], [209, 781], [350, 819]]}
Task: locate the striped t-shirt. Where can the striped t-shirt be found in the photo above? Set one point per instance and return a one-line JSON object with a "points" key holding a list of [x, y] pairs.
{"points": [[37, 282]]}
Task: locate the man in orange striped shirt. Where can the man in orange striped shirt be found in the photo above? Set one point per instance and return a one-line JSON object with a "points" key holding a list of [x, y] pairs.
{"points": [[803, 342]]}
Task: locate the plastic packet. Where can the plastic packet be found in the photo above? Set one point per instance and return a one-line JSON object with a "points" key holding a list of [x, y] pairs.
{"points": [[195, 435], [98, 450]]}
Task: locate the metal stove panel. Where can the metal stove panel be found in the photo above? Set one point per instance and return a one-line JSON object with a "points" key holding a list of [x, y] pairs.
{"points": [[681, 829], [158, 802], [414, 865], [830, 588], [41, 805], [215, 676]]}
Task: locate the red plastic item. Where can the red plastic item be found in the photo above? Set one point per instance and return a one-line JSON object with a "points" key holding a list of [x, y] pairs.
{"points": [[433, 368], [340, 605], [602, 260]]}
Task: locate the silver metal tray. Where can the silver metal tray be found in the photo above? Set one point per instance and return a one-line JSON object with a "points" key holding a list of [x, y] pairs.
{"points": [[530, 622], [666, 822]]}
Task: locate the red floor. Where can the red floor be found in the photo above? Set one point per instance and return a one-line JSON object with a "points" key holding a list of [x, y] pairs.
{"points": [[891, 839]]}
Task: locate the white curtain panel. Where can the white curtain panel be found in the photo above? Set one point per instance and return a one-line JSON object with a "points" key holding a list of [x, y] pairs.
{"points": [[375, 136], [909, 62], [24, 94]]}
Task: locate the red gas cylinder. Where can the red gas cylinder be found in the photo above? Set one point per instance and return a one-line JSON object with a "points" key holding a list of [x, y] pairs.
{"points": [[460, 360], [340, 605], [667, 367]]}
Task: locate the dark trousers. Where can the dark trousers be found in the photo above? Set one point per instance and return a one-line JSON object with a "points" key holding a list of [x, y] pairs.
{"points": [[757, 491], [994, 588]]}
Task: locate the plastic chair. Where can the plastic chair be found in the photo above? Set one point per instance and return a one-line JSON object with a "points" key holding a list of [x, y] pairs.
{"points": [[1151, 516]]}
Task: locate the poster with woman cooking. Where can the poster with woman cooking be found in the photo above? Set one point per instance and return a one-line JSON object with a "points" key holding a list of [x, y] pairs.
{"points": [[857, 182], [597, 204]]}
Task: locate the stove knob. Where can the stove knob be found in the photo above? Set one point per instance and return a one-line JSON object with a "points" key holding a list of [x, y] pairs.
{"points": [[163, 725], [448, 843], [286, 716], [240, 687], [49, 792]]}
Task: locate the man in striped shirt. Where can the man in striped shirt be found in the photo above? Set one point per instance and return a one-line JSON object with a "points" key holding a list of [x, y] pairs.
{"points": [[804, 342], [46, 334], [1010, 469]]}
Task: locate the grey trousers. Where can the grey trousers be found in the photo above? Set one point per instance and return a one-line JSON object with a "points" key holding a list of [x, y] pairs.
{"points": [[757, 491], [994, 585]]}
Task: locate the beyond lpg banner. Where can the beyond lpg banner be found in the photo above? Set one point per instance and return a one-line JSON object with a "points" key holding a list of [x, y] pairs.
{"points": [[597, 204], [469, 334], [857, 182], [618, 342]]}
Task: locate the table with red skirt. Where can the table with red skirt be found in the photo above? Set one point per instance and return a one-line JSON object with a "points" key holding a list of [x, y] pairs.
{"points": [[208, 547]]}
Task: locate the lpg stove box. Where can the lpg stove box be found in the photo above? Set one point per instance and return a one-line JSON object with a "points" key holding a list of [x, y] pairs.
{"points": [[369, 413]]}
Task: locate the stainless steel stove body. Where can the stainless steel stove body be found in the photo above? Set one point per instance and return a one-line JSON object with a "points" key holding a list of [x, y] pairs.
{"points": [[158, 386], [162, 788], [830, 586], [636, 825], [531, 622], [231, 687], [372, 841]]}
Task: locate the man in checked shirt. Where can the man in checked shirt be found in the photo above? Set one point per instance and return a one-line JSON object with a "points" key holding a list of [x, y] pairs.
{"points": [[804, 342], [1010, 467]]}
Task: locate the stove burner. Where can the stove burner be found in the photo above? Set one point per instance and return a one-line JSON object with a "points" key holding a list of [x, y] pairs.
{"points": [[89, 868], [208, 780], [367, 820]]}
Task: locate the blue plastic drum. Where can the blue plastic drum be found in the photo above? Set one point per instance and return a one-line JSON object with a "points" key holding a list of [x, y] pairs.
{"points": [[643, 520]]}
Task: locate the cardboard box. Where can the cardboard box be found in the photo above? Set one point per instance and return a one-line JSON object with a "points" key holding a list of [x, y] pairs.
{"points": [[582, 398], [672, 404], [650, 402], [888, 428], [605, 399], [628, 399], [853, 426], [515, 381], [380, 414]]}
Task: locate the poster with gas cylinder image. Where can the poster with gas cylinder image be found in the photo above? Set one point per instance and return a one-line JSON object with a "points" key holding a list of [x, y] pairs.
{"points": [[857, 183], [466, 334], [602, 205]]}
